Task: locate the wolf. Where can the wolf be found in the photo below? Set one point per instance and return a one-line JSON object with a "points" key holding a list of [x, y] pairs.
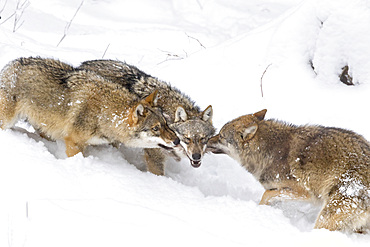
{"points": [[322, 164], [79, 107], [192, 126]]}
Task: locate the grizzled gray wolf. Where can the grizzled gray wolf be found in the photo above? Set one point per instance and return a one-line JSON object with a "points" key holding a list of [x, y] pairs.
{"points": [[192, 126], [79, 106], [329, 165]]}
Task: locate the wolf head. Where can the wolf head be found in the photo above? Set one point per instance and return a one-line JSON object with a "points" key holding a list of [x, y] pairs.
{"points": [[235, 134], [193, 133], [151, 130]]}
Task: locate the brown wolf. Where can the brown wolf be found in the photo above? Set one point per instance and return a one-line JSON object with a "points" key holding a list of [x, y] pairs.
{"points": [[192, 126], [330, 165], [78, 106]]}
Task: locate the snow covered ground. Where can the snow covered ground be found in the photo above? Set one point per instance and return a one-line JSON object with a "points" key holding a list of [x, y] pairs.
{"points": [[216, 51]]}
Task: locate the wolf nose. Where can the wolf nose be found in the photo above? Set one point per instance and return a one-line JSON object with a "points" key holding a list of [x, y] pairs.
{"points": [[176, 141], [196, 156]]}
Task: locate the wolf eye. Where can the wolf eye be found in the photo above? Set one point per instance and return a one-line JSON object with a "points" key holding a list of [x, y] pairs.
{"points": [[203, 140], [155, 128], [186, 140]]}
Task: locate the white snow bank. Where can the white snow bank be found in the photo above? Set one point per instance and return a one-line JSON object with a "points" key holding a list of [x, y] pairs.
{"points": [[215, 51]]}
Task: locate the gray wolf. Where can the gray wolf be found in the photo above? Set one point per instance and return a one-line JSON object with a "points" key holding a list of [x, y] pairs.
{"points": [[79, 107], [322, 164], [192, 126]]}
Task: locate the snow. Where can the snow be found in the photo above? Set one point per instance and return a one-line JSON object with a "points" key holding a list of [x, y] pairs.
{"points": [[216, 52]]}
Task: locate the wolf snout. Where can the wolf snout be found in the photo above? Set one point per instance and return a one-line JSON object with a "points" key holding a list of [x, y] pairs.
{"points": [[196, 160], [196, 156]]}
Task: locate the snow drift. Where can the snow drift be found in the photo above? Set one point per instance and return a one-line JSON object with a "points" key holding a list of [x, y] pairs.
{"points": [[216, 52]]}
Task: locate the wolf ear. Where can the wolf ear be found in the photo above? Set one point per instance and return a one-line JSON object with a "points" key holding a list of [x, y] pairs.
{"points": [[139, 111], [180, 114], [249, 132], [152, 98], [260, 115], [207, 114]]}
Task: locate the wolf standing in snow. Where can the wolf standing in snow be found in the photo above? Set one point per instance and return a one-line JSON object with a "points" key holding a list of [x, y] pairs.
{"points": [[330, 165], [78, 106], [192, 126]]}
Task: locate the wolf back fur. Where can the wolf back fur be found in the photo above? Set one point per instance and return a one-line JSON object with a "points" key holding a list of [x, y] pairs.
{"points": [[192, 126], [78, 106], [330, 165]]}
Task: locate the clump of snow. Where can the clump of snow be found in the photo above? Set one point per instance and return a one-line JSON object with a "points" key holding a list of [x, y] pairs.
{"points": [[343, 40], [351, 186], [216, 52], [327, 36]]}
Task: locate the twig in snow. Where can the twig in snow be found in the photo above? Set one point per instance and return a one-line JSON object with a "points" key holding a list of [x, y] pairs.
{"points": [[263, 74], [69, 23], [106, 49], [171, 56], [200, 5], [190, 37], [19, 10], [6, 1], [9, 17]]}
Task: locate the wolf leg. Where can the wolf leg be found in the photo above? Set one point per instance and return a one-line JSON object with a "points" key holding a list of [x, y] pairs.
{"points": [[7, 111], [344, 213], [43, 135], [155, 160], [284, 194], [74, 145]]}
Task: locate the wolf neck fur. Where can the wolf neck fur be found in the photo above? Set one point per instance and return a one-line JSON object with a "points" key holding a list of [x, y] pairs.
{"points": [[170, 97], [266, 154]]}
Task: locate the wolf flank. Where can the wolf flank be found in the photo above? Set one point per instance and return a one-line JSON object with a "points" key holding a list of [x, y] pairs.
{"points": [[78, 106], [329, 165]]}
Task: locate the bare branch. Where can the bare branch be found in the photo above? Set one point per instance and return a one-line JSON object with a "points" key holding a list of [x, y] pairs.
{"points": [[7, 18], [263, 74], [190, 37], [171, 56], [106, 49], [200, 5], [18, 13], [66, 29], [19, 10], [6, 1]]}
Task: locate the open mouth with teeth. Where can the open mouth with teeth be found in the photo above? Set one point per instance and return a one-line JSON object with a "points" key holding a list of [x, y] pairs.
{"points": [[195, 163]]}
